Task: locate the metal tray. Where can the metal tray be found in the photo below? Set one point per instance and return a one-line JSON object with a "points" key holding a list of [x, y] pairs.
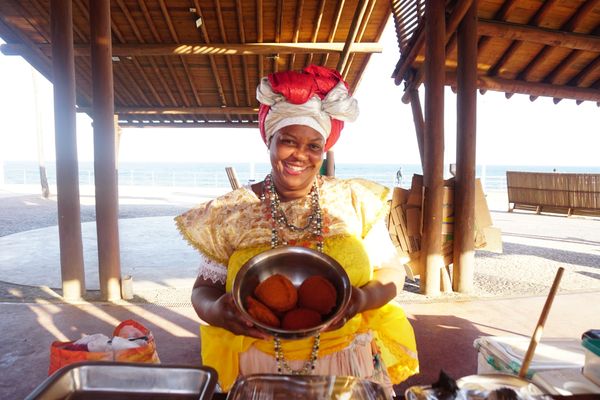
{"points": [[117, 381], [292, 387]]}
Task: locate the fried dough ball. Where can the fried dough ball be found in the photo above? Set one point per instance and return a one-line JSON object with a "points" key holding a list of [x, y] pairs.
{"points": [[318, 294], [278, 293], [300, 318], [261, 312]]}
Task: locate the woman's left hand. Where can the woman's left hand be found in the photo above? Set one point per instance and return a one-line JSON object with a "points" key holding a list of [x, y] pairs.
{"points": [[355, 306]]}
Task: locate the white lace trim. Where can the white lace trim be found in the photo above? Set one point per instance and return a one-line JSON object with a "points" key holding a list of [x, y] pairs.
{"points": [[212, 270]]}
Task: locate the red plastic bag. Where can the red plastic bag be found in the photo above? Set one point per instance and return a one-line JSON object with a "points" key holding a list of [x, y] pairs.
{"points": [[65, 353]]}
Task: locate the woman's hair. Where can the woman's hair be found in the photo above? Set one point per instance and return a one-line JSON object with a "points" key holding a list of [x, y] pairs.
{"points": [[316, 96]]}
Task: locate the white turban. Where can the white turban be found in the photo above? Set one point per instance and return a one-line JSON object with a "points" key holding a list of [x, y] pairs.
{"points": [[316, 113]]}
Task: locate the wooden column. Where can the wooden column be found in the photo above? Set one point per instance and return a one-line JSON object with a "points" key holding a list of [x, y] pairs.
{"points": [[67, 170], [330, 163], [417, 112], [464, 190], [433, 174], [107, 207]]}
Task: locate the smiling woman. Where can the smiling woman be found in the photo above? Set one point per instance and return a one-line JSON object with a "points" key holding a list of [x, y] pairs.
{"points": [[301, 116]]}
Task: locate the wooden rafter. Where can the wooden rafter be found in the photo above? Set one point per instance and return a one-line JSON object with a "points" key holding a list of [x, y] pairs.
{"points": [[315, 32], [334, 26], [236, 99], [359, 36], [259, 38], [175, 37], [535, 20], [298, 21], [503, 12], [240, 22], [213, 65], [278, 22], [573, 24], [453, 21]]}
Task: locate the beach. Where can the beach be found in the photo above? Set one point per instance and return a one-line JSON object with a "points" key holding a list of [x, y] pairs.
{"points": [[534, 246]]}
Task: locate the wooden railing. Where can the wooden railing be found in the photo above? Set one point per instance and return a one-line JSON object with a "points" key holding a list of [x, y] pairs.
{"points": [[554, 192]]}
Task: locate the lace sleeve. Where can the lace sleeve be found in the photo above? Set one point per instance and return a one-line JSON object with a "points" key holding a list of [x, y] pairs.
{"points": [[212, 270]]}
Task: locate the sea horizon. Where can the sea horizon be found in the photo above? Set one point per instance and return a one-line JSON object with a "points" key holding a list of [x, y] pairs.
{"points": [[212, 174]]}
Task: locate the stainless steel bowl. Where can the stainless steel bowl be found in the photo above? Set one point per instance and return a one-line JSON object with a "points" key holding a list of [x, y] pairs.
{"points": [[297, 264]]}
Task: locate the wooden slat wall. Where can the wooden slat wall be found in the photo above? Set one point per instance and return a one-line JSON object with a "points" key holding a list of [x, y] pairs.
{"points": [[555, 192]]}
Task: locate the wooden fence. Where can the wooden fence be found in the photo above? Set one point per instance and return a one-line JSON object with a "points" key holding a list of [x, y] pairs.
{"points": [[554, 192]]}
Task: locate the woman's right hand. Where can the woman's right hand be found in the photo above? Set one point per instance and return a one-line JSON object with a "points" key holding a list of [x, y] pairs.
{"points": [[226, 315]]}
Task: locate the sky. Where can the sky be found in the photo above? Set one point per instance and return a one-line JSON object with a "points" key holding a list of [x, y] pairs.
{"points": [[509, 132]]}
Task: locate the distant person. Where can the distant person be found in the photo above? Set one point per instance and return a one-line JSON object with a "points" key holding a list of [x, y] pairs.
{"points": [[301, 116], [399, 177], [553, 169]]}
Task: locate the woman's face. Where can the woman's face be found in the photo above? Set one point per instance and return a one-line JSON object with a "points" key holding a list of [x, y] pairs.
{"points": [[296, 157]]}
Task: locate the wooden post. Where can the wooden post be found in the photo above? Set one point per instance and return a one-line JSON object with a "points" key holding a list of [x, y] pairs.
{"points": [[330, 163], [67, 170], [417, 112], [107, 208], [431, 253], [39, 129], [466, 135]]}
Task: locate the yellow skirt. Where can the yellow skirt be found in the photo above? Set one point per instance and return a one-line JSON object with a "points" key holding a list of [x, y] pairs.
{"points": [[391, 329]]}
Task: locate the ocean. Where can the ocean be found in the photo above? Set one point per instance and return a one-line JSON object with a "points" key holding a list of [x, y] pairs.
{"points": [[212, 175]]}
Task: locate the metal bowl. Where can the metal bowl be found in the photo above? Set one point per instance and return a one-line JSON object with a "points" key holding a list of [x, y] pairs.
{"points": [[297, 264]]}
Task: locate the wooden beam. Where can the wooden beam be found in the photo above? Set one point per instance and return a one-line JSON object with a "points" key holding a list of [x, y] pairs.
{"points": [[466, 139], [433, 175], [105, 162], [219, 49], [179, 110], [549, 37], [67, 170], [186, 124], [354, 26], [531, 88]]}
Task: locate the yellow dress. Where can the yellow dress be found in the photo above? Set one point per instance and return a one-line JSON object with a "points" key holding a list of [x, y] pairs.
{"points": [[231, 229]]}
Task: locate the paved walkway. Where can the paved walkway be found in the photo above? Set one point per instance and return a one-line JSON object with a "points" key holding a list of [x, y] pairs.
{"points": [[511, 287]]}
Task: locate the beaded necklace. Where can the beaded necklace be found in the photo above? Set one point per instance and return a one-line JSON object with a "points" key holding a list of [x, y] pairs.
{"points": [[279, 221]]}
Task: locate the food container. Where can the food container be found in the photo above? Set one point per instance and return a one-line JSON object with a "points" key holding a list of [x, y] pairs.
{"points": [[505, 354], [477, 387], [591, 367], [297, 264], [127, 381], [292, 387]]}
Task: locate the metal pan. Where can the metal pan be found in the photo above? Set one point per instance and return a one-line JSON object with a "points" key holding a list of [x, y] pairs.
{"points": [[117, 381]]}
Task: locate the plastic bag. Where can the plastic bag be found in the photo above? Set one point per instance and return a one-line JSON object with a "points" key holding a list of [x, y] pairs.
{"points": [[65, 353]]}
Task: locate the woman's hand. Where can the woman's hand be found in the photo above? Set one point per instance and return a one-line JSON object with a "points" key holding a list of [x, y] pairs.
{"points": [[216, 308], [227, 316], [358, 298]]}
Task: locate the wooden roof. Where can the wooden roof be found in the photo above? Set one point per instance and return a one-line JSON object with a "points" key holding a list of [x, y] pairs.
{"points": [[536, 47], [197, 63]]}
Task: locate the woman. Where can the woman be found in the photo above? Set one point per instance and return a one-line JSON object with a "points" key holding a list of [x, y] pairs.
{"points": [[300, 118]]}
